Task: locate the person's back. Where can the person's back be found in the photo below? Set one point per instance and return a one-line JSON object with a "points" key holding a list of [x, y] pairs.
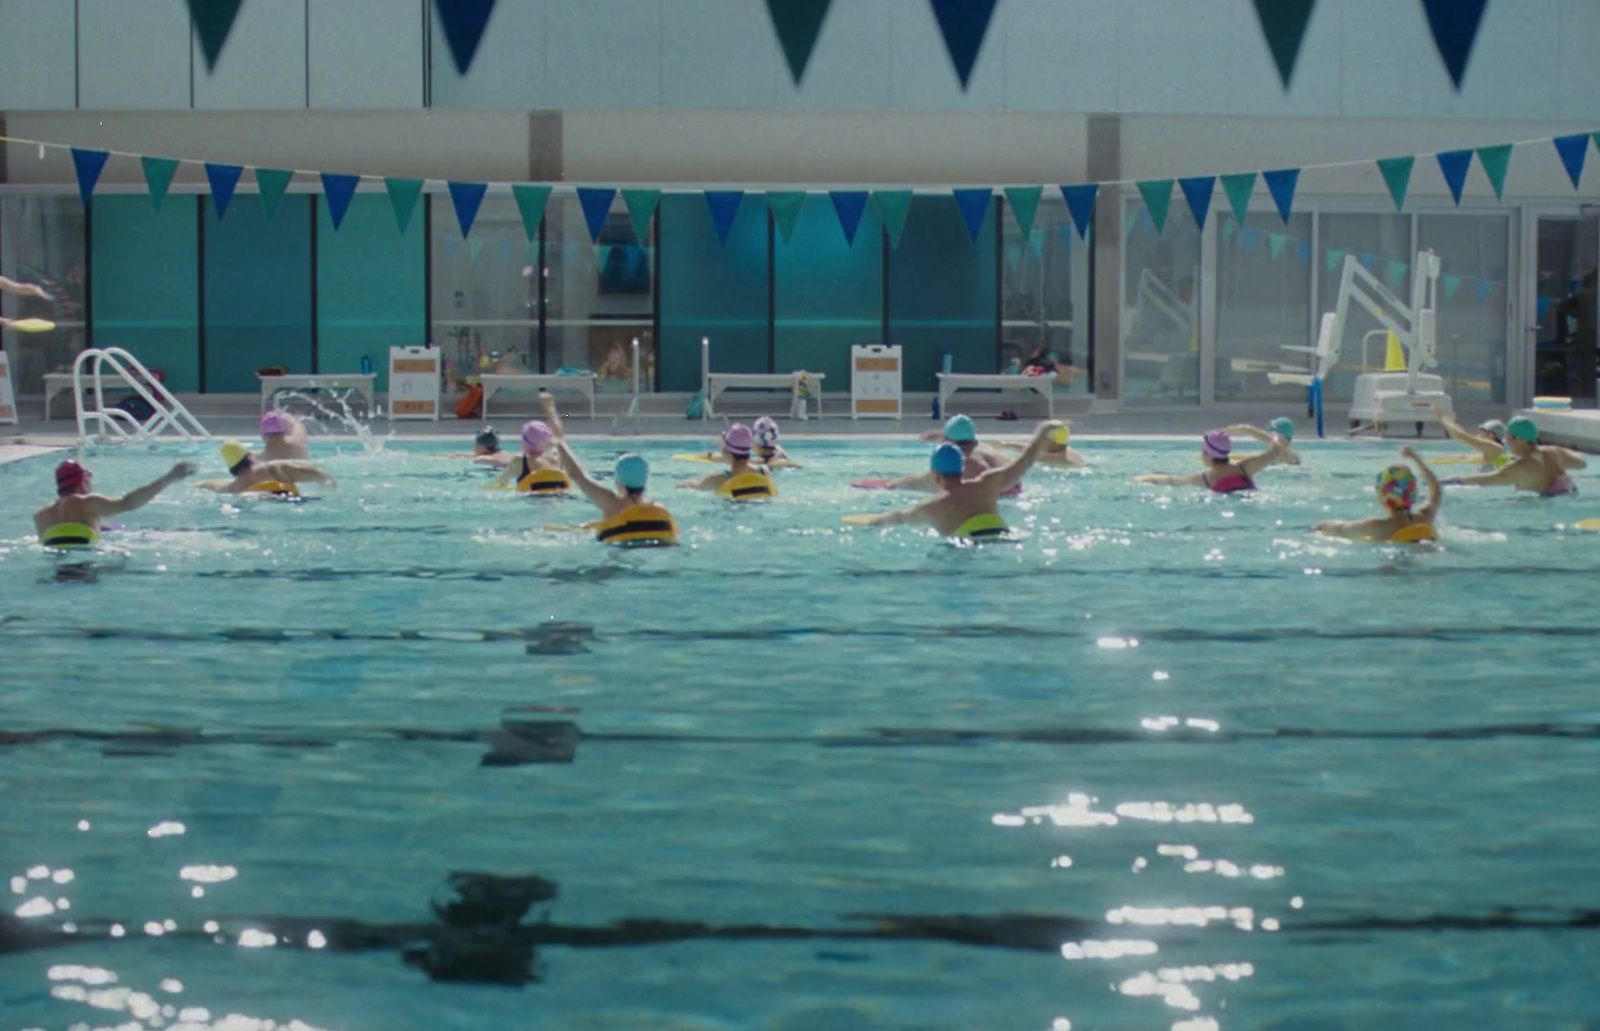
{"points": [[1540, 468], [283, 437], [73, 519], [1403, 521]]}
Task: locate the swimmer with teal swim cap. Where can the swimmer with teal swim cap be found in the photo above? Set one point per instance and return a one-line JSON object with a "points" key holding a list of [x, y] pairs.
{"points": [[959, 430], [627, 517], [1540, 468], [72, 520], [1403, 521], [966, 506], [1279, 431]]}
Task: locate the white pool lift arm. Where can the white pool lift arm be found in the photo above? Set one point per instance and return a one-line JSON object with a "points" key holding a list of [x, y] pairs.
{"points": [[1414, 325]]}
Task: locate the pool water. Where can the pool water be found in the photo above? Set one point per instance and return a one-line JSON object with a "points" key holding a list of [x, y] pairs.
{"points": [[1169, 761]]}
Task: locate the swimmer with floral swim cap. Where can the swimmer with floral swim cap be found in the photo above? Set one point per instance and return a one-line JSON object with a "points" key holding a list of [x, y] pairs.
{"points": [[1541, 468], [251, 476], [284, 437], [72, 520], [1223, 474], [963, 433], [1057, 449], [1404, 521], [966, 507], [737, 444]]}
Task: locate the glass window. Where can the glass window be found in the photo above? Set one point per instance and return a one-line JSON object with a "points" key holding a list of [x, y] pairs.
{"points": [[599, 296], [1263, 304], [1569, 333], [146, 283], [43, 243], [712, 290], [1474, 252], [829, 293], [942, 293], [370, 287], [485, 291], [1044, 297], [1381, 244], [257, 292], [1161, 320]]}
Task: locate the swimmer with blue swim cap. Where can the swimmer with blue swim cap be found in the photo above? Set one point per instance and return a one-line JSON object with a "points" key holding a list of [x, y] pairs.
{"points": [[963, 433], [967, 506], [627, 517], [72, 520], [1403, 521], [1540, 468]]}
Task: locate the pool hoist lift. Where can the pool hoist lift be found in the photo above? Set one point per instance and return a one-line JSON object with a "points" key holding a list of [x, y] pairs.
{"points": [[1402, 392], [99, 421]]}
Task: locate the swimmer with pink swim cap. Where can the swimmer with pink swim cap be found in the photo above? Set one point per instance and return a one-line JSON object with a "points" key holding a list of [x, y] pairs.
{"points": [[284, 437], [1224, 473], [738, 441], [538, 445], [1404, 521]]}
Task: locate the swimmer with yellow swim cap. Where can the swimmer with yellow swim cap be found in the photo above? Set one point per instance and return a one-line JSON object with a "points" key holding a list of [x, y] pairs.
{"points": [[1541, 468], [72, 520], [627, 518], [255, 477], [1403, 521], [744, 480], [966, 507], [538, 470], [978, 458], [1056, 450]]}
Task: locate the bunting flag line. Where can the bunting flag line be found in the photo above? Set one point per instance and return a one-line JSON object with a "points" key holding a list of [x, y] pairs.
{"points": [[785, 206], [1283, 23], [1197, 191], [723, 206], [974, 207], [963, 24], [1249, 237], [271, 184], [1495, 161], [223, 179], [88, 164], [1367, 261], [1305, 252], [1281, 184], [1332, 258], [1454, 24], [894, 206], [531, 201], [1080, 203], [213, 20], [338, 189], [403, 194], [1397, 176], [641, 205], [1397, 272], [464, 22], [798, 24], [1157, 194], [1484, 288], [1451, 285], [158, 177], [1275, 245], [1024, 204], [1573, 149], [467, 197], [1454, 164], [1239, 187], [596, 204], [849, 206]]}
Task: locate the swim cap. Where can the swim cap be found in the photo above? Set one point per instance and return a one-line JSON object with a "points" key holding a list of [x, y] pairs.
{"points": [[1217, 444], [1061, 435], [235, 456], [1397, 485], [766, 431], [632, 472], [1283, 427], [948, 459], [274, 422], [960, 429], [1523, 428], [536, 435], [70, 476], [1494, 426], [737, 439], [488, 438]]}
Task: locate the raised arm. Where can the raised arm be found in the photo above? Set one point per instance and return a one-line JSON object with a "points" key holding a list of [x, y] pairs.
{"points": [[1010, 474], [1569, 459], [1244, 429], [1276, 448], [141, 496], [710, 481], [1488, 449], [11, 286], [551, 416], [297, 472], [1172, 479], [921, 512], [1435, 491], [1507, 475], [598, 496]]}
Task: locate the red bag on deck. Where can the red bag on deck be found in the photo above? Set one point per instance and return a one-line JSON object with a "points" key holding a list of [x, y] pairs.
{"points": [[471, 404]]}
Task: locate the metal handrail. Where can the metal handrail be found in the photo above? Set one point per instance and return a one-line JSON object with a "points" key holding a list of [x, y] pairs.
{"points": [[114, 423]]}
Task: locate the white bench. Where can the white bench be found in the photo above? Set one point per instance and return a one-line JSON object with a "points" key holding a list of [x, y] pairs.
{"points": [[58, 382], [717, 382], [494, 382], [950, 382], [361, 382]]}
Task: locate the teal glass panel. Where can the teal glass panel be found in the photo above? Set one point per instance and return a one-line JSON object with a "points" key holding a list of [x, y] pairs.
{"points": [[942, 293], [710, 289], [257, 292], [371, 292], [829, 293], [146, 283]]}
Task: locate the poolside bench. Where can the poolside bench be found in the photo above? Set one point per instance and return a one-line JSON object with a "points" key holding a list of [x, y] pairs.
{"points": [[950, 382], [494, 382]]}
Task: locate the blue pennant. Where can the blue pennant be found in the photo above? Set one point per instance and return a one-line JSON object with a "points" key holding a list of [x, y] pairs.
{"points": [[1454, 164], [1455, 29], [1305, 252], [724, 208], [1484, 288], [1080, 202], [464, 22], [223, 179], [1281, 184], [1250, 236], [974, 207], [88, 164], [849, 205], [1367, 261], [596, 203], [1573, 149], [1197, 191], [1544, 307], [466, 197], [339, 189], [963, 23]]}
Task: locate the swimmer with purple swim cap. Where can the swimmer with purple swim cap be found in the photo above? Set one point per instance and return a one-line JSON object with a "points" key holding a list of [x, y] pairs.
{"points": [[737, 444], [1404, 521], [1223, 474], [284, 437]]}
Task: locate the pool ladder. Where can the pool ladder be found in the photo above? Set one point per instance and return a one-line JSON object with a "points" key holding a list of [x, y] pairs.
{"points": [[115, 425]]}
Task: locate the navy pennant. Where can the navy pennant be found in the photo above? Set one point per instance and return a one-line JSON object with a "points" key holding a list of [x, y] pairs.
{"points": [[963, 23], [724, 208], [1455, 30], [213, 20], [87, 163], [1281, 184], [974, 206], [1197, 191], [1454, 164], [464, 22], [467, 197], [338, 189], [223, 179], [1573, 149], [1284, 22], [596, 203], [849, 205], [1080, 202], [798, 23]]}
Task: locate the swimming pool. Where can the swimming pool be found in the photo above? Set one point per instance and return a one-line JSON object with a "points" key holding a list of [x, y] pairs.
{"points": [[1168, 762]]}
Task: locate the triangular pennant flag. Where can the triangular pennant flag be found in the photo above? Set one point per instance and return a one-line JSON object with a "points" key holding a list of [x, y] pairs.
{"points": [[724, 208], [785, 206], [339, 189], [464, 22], [1239, 188], [1455, 29], [1544, 307], [849, 205], [1485, 287], [1275, 244], [474, 250], [158, 176], [531, 201], [1197, 191], [893, 207], [1454, 165], [596, 204], [1451, 285], [272, 182], [973, 204], [1495, 161], [467, 197], [1283, 22], [1250, 236], [1367, 261], [403, 194], [88, 164], [1397, 272], [1573, 149], [1157, 194], [641, 206], [223, 179], [798, 23], [1332, 258], [1080, 202], [1305, 252], [1397, 176], [963, 24], [1281, 184], [1024, 201], [213, 20]]}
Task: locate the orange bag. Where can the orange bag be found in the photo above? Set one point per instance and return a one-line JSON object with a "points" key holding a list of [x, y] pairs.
{"points": [[471, 404]]}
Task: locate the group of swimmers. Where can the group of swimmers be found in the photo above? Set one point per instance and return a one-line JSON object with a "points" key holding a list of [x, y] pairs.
{"points": [[966, 477]]}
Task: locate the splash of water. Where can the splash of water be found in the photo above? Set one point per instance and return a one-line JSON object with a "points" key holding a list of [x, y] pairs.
{"points": [[328, 411]]}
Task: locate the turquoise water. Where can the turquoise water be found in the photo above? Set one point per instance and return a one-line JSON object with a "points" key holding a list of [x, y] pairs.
{"points": [[1168, 762]]}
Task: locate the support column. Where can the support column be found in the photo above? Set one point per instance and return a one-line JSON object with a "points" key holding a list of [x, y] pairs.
{"points": [[1105, 164]]}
